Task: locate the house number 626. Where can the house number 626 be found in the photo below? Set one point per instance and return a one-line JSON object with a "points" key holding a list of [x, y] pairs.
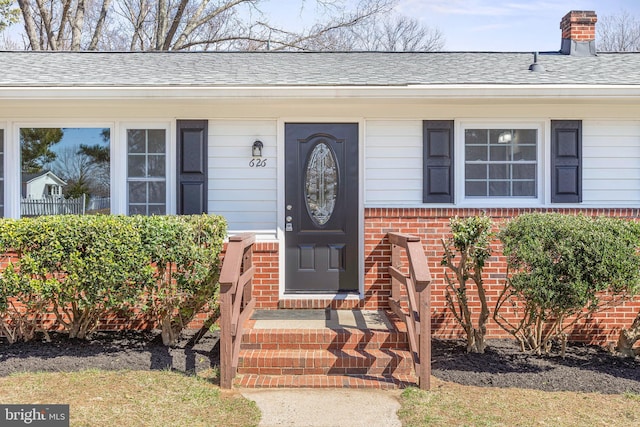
{"points": [[258, 163]]}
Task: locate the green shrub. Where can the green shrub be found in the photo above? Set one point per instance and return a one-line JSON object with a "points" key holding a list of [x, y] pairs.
{"points": [[79, 267], [563, 268], [185, 251], [465, 254], [21, 308]]}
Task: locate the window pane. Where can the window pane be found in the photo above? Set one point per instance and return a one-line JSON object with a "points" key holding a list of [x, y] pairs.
{"points": [[475, 153], [524, 188], [136, 166], [65, 171], [156, 166], [137, 209], [157, 141], [526, 152], [157, 210], [476, 171], [476, 188], [1, 172], [475, 136], [137, 192], [499, 153], [136, 140], [499, 188], [526, 136], [500, 136], [524, 171], [157, 192], [498, 171]]}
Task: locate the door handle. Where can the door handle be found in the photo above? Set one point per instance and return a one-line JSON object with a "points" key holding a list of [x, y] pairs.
{"points": [[288, 226]]}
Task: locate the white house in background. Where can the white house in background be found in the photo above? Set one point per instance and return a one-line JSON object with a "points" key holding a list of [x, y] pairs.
{"points": [[44, 184]]}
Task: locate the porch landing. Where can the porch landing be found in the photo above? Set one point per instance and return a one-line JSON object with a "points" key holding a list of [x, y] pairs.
{"points": [[318, 319], [325, 348]]}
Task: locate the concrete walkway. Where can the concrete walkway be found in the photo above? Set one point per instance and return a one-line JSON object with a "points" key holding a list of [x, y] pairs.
{"points": [[326, 407]]}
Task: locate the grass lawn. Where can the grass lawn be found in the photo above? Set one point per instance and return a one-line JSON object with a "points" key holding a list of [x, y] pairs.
{"points": [[132, 398], [162, 398], [449, 404]]}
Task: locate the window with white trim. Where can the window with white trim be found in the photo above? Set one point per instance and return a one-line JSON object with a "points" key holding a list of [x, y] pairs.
{"points": [[146, 171], [500, 162], [1, 172], [64, 170]]}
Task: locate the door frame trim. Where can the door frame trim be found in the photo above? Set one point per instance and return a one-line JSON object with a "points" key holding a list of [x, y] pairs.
{"points": [[281, 211]]}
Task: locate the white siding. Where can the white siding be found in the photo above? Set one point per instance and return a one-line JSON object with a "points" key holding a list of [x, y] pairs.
{"points": [[393, 162], [611, 163], [245, 195]]}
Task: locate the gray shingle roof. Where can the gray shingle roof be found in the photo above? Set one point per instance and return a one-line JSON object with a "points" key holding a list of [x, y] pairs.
{"points": [[211, 69]]}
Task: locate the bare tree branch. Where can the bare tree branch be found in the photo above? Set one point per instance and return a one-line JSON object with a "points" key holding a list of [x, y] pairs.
{"points": [[45, 17], [618, 33], [204, 24], [66, 5]]}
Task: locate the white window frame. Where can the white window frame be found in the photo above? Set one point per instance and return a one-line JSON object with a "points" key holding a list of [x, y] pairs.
{"points": [[463, 200], [120, 175], [3, 140]]}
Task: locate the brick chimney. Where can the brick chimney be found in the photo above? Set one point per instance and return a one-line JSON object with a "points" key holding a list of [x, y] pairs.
{"points": [[579, 33]]}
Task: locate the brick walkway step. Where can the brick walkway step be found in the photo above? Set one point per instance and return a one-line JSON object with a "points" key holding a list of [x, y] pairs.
{"points": [[325, 362], [325, 349], [323, 339], [325, 381]]}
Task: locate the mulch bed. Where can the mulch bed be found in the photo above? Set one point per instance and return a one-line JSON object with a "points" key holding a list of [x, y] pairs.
{"points": [[584, 369]]}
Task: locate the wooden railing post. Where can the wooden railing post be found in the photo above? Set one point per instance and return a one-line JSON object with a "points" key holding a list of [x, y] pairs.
{"points": [[236, 302], [226, 338], [416, 283], [425, 337]]}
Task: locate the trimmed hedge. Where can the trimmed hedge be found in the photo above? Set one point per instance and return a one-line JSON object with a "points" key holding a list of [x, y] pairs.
{"points": [[82, 268], [561, 269]]}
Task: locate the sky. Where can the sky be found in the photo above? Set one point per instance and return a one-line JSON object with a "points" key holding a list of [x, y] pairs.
{"points": [[483, 25]]}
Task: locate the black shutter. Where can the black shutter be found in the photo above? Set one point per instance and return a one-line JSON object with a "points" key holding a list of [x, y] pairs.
{"points": [[566, 161], [192, 166], [437, 147]]}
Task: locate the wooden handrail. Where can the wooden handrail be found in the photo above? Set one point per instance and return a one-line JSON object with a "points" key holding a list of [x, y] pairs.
{"points": [[236, 302], [418, 296]]}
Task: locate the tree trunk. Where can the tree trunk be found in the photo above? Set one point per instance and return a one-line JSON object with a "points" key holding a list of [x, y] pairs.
{"points": [[97, 33], [76, 26], [167, 332], [29, 24], [628, 338]]}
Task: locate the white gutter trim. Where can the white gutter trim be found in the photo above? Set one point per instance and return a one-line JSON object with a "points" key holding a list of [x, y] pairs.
{"points": [[326, 92]]}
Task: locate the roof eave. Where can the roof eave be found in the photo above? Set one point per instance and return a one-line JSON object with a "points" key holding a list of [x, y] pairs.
{"points": [[466, 91]]}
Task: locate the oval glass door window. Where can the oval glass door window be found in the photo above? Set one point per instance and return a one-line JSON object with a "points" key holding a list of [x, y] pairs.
{"points": [[321, 184]]}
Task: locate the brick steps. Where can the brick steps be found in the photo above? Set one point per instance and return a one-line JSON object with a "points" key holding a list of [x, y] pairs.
{"points": [[325, 357], [325, 381], [325, 362], [323, 339]]}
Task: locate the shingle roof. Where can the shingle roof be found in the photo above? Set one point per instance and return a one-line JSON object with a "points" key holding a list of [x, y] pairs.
{"points": [[211, 69]]}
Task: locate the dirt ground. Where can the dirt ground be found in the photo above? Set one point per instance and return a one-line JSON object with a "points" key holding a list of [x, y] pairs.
{"points": [[584, 369]]}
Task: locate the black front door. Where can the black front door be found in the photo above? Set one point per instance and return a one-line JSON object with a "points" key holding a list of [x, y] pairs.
{"points": [[321, 208]]}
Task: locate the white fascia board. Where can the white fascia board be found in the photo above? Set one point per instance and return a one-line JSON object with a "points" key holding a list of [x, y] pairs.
{"points": [[328, 92]]}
